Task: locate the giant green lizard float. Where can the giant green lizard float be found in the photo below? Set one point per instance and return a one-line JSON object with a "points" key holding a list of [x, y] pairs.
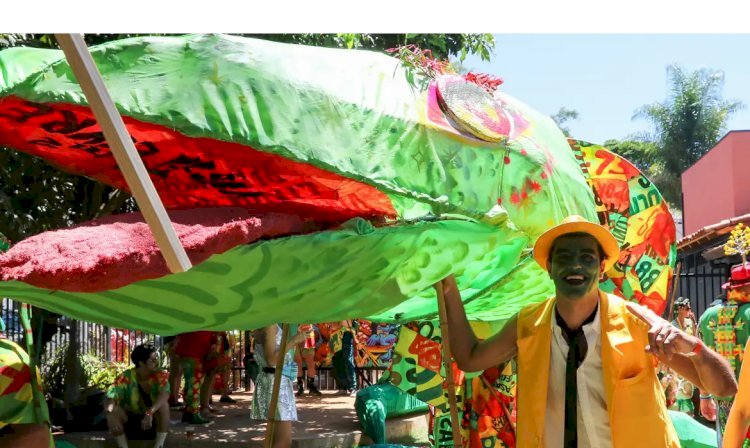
{"points": [[349, 182]]}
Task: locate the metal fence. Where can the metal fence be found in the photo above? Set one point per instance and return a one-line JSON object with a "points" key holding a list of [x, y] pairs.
{"points": [[110, 344], [701, 280], [115, 345]]}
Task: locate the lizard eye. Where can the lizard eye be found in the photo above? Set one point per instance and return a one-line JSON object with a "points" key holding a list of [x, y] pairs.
{"points": [[472, 110]]}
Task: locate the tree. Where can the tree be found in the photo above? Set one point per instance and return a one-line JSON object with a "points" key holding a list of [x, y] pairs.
{"points": [[442, 46], [641, 154], [686, 125], [563, 116]]}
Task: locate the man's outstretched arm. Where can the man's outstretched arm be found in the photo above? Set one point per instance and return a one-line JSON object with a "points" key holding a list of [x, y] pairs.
{"points": [[675, 348], [470, 354]]}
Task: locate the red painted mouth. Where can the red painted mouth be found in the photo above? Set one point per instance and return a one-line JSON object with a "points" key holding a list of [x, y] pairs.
{"points": [[189, 172]]}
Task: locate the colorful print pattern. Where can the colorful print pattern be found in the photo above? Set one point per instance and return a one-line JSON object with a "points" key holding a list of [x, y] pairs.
{"points": [[16, 390], [17, 394], [124, 391], [193, 372], [633, 209], [485, 401], [724, 328]]}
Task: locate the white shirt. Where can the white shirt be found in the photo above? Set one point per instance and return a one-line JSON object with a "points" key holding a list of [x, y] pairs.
{"points": [[593, 419]]}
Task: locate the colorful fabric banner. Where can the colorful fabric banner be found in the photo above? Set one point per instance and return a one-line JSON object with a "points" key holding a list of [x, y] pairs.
{"points": [[485, 401], [636, 214]]}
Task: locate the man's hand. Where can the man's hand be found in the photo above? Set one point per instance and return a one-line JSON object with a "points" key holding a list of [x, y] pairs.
{"points": [[147, 421], [665, 340], [708, 409], [450, 288], [114, 420]]}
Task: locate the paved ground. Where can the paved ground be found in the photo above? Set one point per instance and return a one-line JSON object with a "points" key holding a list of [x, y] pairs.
{"points": [[327, 421]]}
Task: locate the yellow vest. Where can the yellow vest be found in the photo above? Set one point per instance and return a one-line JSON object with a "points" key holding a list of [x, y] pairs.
{"points": [[635, 400]]}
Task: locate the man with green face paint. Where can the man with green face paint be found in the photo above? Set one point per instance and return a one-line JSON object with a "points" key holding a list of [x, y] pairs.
{"points": [[586, 359]]}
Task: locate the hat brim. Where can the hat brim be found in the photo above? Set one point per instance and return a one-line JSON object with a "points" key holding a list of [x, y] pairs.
{"points": [[600, 233], [730, 285]]}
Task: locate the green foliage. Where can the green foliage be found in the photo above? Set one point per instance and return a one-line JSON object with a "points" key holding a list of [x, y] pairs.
{"points": [[641, 154], [442, 46], [563, 116], [35, 197], [96, 373], [686, 125]]}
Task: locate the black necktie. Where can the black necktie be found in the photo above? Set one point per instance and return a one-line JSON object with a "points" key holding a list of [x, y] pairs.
{"points": [[577, 348]]}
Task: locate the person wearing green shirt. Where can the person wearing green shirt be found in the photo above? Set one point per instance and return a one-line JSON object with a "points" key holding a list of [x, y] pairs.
{"points": [[724, 327], [138, 397]]}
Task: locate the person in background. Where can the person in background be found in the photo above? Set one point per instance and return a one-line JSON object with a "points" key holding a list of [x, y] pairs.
{"points": [[684, 319], [251, 365], [306, 351], [267, 353], [138, 397], [736, 434], [219, 362], [725, 327], [175, 373], [20, 423], [342, 347], [194, 349]]}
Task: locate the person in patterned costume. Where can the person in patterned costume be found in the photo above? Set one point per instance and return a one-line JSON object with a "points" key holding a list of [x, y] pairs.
{"points": [[685, 321], [724, 328], [24, 417], [194, 350], [137, 397]]}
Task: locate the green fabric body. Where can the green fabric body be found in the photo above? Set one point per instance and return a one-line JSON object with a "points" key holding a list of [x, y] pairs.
{"points": [[322, 277], [353, 113], [378, 402], [350, 112], [691, 433]]}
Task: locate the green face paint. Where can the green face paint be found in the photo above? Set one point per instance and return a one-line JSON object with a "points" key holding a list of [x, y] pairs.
{"points": [[575, 266]]}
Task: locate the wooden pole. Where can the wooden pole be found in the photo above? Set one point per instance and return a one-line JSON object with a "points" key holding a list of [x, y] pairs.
{"points": [[123, 150], [499, 398], [675, 284], [457, 442], [268, 443]]}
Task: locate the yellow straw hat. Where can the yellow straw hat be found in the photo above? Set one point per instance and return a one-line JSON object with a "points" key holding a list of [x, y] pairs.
{"points": [[577, 224]]}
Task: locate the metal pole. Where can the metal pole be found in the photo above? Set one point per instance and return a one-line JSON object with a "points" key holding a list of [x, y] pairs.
{"points": [[123, 150], [457, 442]]}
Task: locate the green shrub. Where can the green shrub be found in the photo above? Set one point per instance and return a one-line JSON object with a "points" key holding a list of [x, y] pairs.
{"points": [[96, 373]]}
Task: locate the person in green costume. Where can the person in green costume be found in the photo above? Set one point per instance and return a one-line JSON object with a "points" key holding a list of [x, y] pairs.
{"points": [[138, 399], [24, 417], [724, 327]]}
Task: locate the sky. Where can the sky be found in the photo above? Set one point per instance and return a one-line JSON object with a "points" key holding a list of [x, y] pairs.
{"points": [[606, 77]]}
